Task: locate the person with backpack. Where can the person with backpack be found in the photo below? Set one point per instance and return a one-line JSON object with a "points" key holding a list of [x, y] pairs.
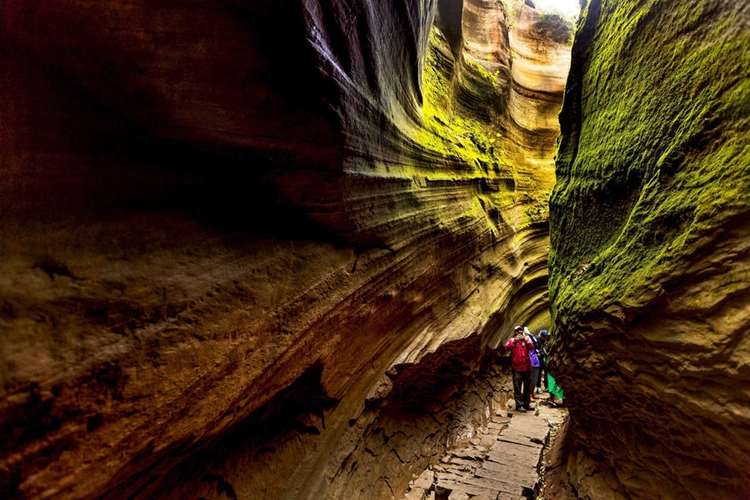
{"points": [[519, 346], [541, 349], [555, 391], [536, 364]]}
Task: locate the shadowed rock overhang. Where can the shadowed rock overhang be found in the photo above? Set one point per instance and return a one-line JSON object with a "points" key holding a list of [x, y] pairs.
{"points": [[234, 233]]}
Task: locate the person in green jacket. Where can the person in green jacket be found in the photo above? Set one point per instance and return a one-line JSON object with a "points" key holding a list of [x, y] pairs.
{"points": [[554, 389]]}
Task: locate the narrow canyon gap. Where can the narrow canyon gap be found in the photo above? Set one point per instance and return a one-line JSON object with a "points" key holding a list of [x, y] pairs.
{"points": [[267, 249]]}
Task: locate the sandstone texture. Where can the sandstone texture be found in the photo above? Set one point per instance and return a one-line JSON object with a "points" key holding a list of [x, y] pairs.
{"points": [[650, 251], [261, 249]]}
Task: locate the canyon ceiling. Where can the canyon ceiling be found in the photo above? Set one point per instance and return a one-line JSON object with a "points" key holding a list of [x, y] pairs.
{"points": [[268, 249]]}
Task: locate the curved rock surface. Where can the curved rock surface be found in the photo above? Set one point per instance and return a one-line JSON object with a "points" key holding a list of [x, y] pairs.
{"points": [[650, 251], [540, 45], [250, 249]]}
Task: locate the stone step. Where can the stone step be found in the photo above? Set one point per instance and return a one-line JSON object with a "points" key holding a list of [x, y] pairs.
{"points": [[507, 471], [519, 440], [528, 432], [446, 487], [520, 481], [510, 469], [508, 496], [496, 484], [497, 469], [529, 462]]}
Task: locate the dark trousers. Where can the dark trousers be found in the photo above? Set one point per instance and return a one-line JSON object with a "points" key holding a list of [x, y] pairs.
{"points": [[535, 377], [542, 374], [522, 389]]}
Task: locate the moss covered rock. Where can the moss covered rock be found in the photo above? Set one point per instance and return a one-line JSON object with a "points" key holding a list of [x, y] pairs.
{"points": [[650, 252]]}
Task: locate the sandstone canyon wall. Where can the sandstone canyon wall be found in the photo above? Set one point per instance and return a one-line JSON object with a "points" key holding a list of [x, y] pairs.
{"points": [[650, 251], [261, 249]]}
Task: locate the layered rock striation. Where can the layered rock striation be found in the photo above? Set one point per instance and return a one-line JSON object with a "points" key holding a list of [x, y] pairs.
{"points": [[650, 256], [254, 249]]}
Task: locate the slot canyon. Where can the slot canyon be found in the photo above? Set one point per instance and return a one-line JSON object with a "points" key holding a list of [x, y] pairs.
{"points": [[273, 249]]}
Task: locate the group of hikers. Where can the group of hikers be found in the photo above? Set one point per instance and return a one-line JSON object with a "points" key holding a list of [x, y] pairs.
{"points": [[529, 362]]}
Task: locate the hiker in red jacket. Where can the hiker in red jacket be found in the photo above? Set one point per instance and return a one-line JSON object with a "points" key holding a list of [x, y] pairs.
{"points": [[519, 346]]}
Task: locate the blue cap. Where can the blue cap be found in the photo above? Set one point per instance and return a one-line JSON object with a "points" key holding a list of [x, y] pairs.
{"points": [[544, 333]]}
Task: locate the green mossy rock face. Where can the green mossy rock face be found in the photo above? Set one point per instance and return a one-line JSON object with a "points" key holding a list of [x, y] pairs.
{"points": [[649, 247], [467, 140], [654, 155]]}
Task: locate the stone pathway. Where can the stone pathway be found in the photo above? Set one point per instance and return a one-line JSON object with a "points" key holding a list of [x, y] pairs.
{"points": [[501, 463]]}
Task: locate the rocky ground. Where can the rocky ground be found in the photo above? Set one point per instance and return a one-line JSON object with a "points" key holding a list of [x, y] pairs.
{"points": [[504, 461]]}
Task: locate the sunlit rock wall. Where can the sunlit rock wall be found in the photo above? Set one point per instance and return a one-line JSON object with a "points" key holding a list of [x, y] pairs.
{"points": [[244, 244], [651, 251], [540, 45], [528, 55]]}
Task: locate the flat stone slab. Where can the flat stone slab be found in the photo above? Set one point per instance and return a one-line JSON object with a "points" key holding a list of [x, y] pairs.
{"points": [[509, 472], [503, 452], [519, 440], [514, 476], [495, 484], [508, 468], [508, 496], [459, 486]]}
